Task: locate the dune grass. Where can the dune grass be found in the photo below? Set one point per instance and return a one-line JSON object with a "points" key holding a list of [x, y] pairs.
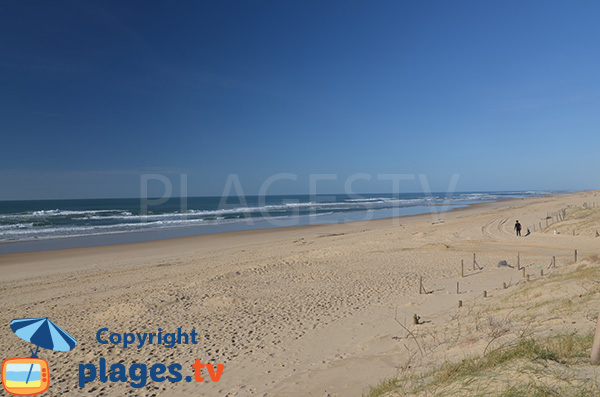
{"points": [[533, 363], [491, 374]]}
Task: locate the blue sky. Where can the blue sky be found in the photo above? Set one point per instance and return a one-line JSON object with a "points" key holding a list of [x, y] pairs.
{"points": [[95, 94]]}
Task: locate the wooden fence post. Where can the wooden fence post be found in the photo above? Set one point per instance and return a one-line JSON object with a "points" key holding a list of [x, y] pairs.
{"points": [[553, 261], [475, 264], [595, 355]]}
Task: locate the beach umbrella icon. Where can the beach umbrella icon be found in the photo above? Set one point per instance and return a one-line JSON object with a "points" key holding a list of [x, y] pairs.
{"points": [[43, 333]]}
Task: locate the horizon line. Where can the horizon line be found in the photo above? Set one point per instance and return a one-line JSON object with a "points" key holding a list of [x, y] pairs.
{"points": [[533, 191]]}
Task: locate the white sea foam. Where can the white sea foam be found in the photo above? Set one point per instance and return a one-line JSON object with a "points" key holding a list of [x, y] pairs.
{"points": [[74, 231], [58, 213], [57, 222]]}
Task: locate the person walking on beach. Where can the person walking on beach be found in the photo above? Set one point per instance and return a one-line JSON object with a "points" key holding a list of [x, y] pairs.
{"points": [[518, 228]]}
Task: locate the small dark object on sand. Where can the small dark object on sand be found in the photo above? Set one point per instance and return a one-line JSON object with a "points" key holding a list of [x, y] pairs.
{"points": [[503, 264]]}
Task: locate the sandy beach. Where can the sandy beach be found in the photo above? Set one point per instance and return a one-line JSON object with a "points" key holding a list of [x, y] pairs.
{"points": [[299, 311]]}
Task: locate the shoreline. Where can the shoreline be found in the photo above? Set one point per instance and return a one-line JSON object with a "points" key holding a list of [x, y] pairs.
{"points": [[111, 239]]}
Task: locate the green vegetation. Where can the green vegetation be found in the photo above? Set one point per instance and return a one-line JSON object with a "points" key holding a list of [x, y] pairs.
{"points": [[534, 347], [491, 373]]}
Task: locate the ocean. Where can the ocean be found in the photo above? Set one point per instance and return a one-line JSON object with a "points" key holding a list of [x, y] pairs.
{"points": [[53, 224]]}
